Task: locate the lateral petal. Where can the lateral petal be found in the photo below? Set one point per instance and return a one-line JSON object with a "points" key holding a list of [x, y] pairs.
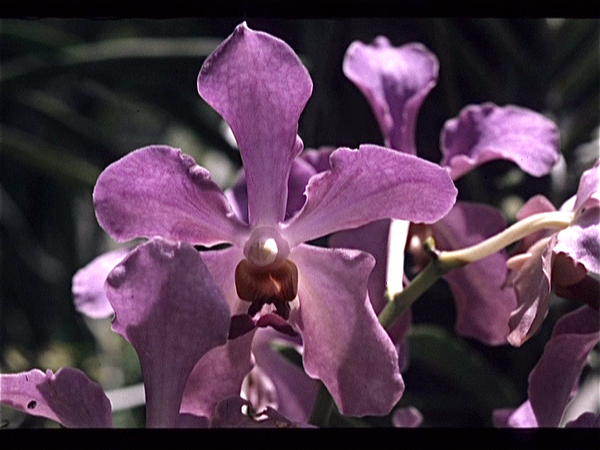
{"points": [[168, 306], [344, 344], [369, 184], [159, 191]]}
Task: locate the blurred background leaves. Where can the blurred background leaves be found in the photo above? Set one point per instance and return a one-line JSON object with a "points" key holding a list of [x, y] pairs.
{"points": [[77, 94]]}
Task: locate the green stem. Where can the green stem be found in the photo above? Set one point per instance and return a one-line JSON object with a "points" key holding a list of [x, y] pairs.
{"points": [[419, 285]]}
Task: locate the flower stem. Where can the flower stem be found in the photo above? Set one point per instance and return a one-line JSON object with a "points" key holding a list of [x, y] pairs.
{"points": [[553, 220], [420, 284], [444, 261]]}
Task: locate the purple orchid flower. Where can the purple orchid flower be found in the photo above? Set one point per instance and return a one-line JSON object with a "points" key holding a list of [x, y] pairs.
{"points": [[395, 81], [553, 381], [557, 260], [259, 86]]}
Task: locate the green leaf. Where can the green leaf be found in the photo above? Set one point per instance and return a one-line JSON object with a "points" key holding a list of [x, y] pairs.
{"points": [[448, 357]]}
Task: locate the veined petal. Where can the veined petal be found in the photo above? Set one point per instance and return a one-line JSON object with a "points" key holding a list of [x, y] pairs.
{"points": [[168, 306], [159, 191], [554, 379], [483, 304], [218, 375], [260, 87], [373, 239], [344, 344], [88, 284], [395, 81], [581, 240], [369, 184], [486, 132], [532, 284], [300, 173], [588, 193], [296, 392], [67, 397]]}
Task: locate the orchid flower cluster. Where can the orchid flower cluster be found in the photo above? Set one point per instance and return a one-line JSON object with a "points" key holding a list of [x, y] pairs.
{"points": [[208, 322]]}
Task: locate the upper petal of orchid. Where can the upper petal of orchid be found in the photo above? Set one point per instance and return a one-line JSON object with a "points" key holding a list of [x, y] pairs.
{"points": [[159, 191], [395, 81], [88, 284], [369, 184], [67, 397], [554, 379], [168, 306], [486, 132], [483, 304], [344, 344], [299, 175], [260, 87]]}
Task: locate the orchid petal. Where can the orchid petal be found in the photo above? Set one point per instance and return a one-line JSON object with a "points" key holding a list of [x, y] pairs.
{"points": [[487, 132], [369, 184], [581, 240], [588, 193], [159, 191], [395, 81], [229, 415], [318, 158], [371, 238], [218, 375], [168, 306], [521, 417], [483, 305], [585, 420], [409, 417], [535, 205], [260, 87], [296, 392], [88, 285], [344, 344], [300, 173], [67, 397], [554, 379], [532, 284]]}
